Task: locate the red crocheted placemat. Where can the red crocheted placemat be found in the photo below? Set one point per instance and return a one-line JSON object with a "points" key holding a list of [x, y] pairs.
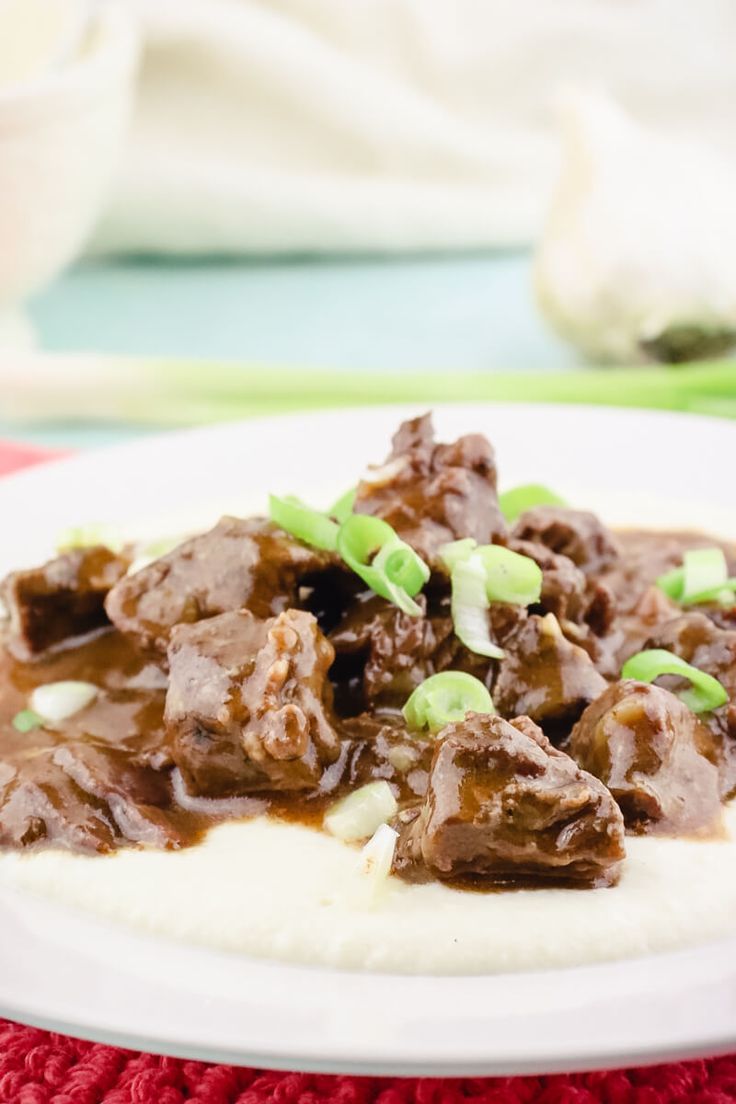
{"points": [[37, 1067], [41, 1067]]}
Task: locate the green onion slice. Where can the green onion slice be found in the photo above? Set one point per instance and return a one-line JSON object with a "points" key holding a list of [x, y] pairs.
{"points": [[469, 607], [389, 566], [27, 720], [295, 517], [513, 503], [481, 575], [703, 577], [446, 698], [343, 508], [510, 577], [457, 551], [706, 692]]}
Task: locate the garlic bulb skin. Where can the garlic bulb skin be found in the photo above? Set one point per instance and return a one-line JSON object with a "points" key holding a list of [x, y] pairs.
{"points": [[638, 257]]}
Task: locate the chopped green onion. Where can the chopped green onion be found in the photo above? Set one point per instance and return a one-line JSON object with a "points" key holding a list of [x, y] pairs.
{"points": [[308, 525], [357, 816], [27, 720], [469, 607], [390, 567], [55, 701], [457, 551], [446, 698], [481, 575], [703, 577], [513, 503], [343, 508], [89, 536], [706, 692], [510, 577]]}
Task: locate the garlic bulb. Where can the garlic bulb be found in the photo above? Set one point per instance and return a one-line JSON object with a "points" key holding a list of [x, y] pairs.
{"points": [[638, 257]]}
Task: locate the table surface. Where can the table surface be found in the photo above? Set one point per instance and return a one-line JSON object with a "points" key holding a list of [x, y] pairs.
{"points": [[469, 311], [473, 311]]}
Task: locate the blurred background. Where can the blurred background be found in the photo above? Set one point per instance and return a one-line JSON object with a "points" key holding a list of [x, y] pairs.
{"points": [[219, 207]]}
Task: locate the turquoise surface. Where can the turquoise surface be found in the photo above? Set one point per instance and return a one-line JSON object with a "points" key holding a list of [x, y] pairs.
{"points": [[473, 312]]}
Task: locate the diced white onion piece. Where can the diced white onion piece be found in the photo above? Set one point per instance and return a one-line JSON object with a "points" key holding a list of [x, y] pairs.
{"points": [[376, 860], [58, 700], [357, 816]]}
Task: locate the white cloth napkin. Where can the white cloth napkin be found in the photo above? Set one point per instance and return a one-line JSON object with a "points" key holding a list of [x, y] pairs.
{"points": [[339, 125]]}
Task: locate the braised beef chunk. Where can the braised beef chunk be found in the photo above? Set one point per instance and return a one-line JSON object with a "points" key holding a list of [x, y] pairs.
{"points": [[390, 653], [237, 565], [503, 804], [62, 600], [654, 755], [431, 493], [577, 534], [249, 705], [396, 651], [84, 796], [379, 747], [564, 586], [544, 675], [696, 638]]}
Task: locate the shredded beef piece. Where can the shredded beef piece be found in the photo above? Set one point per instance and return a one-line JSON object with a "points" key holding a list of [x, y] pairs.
{"points": [[237, 565], [60, 601], [249, 705], [577, 534], [431, 493], [504, 805], [654, 755], [544, 675]]}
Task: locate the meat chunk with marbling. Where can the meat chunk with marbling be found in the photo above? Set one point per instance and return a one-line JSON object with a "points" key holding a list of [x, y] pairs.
{"points": [[545, 676], [239, 564], [654, 755], [60, 601], [577, 534], [432, 493], [504, 805], [249, 705]]}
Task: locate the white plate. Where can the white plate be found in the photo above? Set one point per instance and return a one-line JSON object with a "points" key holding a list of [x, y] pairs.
{"points": [[64, 970]]}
